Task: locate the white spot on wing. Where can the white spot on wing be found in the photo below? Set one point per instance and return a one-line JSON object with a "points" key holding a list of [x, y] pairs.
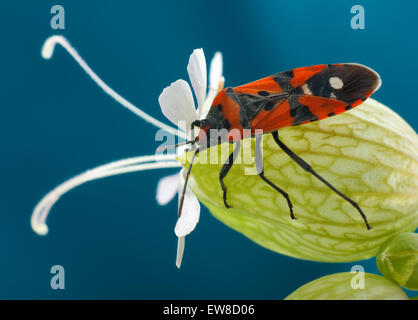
{"points": [[306, 89], [336, 82]]}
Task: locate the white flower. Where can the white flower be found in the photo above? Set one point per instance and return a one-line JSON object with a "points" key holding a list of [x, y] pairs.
{"points": [[177, 105]]}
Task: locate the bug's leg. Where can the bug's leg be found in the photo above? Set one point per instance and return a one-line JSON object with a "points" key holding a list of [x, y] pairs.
{"points": [[186, 180], [305, 166], [194, 124], [260, 172], [225, 169]]}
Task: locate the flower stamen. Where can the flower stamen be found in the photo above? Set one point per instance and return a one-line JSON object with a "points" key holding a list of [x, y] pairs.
{"points": [[47, 52], [42, 209]]}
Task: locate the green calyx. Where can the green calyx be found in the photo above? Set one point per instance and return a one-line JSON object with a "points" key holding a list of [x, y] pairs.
{"points": [[369, 153], [349, 286], [397, 260]]}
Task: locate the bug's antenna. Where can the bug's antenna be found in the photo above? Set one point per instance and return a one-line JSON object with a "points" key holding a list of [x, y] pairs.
{"points": [[161, 149], [185, 182]]}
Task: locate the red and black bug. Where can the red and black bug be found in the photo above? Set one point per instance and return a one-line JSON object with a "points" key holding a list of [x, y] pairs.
{"points": [[288, 98]]}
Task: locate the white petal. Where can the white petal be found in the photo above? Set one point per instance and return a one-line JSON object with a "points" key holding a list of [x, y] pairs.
{"points": [[176, 102], [180, 250], [215, 73], [198, 76], [190, 213], [181, 150], [167, 189], [216, 83]]}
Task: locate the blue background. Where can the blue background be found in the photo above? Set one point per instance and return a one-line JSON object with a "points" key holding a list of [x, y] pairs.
{"points": [[110, 235]]}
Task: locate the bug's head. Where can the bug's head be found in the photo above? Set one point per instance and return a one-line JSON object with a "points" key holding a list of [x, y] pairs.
{"points": [[210, 134]]}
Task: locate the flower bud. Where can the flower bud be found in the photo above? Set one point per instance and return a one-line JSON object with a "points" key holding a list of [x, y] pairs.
{"points": [[369, 153], [349, 286], [397, 260]]}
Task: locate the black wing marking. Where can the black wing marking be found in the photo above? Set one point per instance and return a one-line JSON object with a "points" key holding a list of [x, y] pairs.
{"points": [[347, 82], [252, 104]]}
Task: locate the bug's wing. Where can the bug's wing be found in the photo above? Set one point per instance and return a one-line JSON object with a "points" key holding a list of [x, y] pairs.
{"points": [[308, 94]]}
